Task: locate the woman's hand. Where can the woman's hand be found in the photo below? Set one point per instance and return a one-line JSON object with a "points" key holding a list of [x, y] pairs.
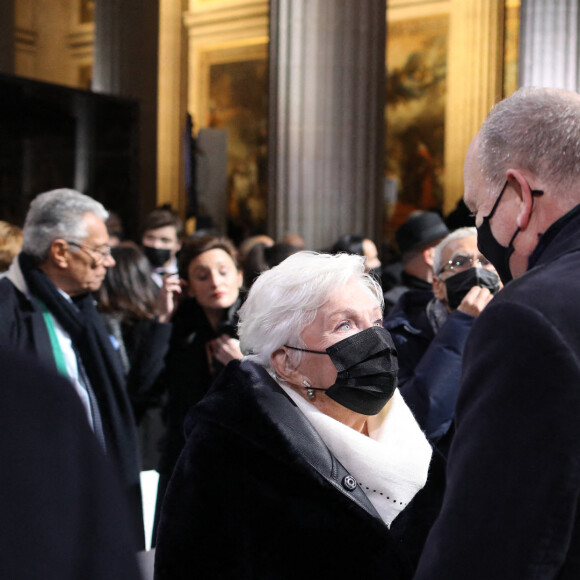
{"points": [[225, 348], [169, 297]]}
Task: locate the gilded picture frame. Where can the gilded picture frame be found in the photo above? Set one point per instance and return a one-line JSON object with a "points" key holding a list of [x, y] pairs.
{"points": [[234, 98]]}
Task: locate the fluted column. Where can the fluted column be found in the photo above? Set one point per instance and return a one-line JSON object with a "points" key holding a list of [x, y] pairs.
{"points": [[326, 131], [474, 81], [172, 108], [126, 65], [549, 44]]}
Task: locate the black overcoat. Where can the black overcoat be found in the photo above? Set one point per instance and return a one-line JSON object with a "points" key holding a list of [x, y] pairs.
{"points": [[511, 510], [62, 510], [22, 328], [257, 494]]}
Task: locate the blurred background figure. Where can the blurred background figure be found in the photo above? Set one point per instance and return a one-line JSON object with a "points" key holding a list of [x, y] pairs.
{"points": [[359, 246], [203, 339], [114, 225], [277, 253], [392, 267], [430, 328], [295, 240], [63, 512], [161, 240], [130, 304], [263, 257], [10, 244], [246, 245], [416, 239], [250, 259]]}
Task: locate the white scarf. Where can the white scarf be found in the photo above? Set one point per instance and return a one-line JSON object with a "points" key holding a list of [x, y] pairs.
{"points": [[390, 465]]}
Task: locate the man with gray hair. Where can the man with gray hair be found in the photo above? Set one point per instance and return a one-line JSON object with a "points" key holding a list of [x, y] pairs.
{"points": [[430, 327], [47, 310], [512, 507]]}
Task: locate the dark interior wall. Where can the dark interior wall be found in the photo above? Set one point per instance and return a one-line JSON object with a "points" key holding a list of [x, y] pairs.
{"points": [[7, 36], [52, 136], [126, 65]]}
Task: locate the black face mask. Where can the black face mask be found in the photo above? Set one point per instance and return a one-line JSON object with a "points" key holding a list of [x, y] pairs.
{"points": [[497, 254], [156, 256], [460, 284], [367, 370]]}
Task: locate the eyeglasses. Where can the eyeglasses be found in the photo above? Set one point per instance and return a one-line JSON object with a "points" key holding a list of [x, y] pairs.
{"points": [[461, 262], [104, 253]]}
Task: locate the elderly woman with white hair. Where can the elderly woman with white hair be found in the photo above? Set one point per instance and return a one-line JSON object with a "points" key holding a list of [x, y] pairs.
{"points": [[303, 461]]}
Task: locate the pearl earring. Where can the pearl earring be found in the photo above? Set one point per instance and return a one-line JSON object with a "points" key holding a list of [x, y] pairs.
{"points": [[309, 393]]}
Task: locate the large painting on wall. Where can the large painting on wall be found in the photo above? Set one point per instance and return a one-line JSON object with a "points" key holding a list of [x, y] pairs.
{"points": [[415, 116], [238, 104]]}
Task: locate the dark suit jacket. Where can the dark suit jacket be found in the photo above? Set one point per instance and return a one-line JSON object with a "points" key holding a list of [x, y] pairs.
{"points": [[429, 363], [22, 328], [257, 494], [62, 513], [511, 509]]}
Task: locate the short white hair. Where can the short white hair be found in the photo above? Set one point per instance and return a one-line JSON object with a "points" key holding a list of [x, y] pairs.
{"points": [[440, 247], [57, 214], [283, 301], [536, 129]]}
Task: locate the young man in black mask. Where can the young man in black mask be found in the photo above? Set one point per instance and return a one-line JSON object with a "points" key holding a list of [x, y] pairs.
{"points": [[430, 328], [161, 240]]}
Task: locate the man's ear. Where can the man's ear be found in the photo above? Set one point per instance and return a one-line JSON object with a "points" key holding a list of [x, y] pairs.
{"points": [[284, 368], [526, 199], [428, 255], [59, 253]]}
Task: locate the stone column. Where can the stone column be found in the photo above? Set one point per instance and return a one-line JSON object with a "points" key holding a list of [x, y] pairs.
{"points": [[172, 107], [326, 131], [549, 32], [126, 65]]}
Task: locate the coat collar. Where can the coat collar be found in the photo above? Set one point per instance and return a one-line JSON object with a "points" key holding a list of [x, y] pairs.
{"points": [[15, 276], [562, 237], [292, 425]]}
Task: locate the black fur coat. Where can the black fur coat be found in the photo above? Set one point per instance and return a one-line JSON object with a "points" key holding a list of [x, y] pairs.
{"points": [[257, 494]]}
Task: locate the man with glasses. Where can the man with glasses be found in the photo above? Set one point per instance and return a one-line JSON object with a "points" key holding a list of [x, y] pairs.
{"points": [[430, 327], [511, 509], [47, 309]]}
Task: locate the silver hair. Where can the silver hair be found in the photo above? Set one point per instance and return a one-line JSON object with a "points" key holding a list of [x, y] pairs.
{"points": [[440, 248], [57, 214], [283, 301], [537, 130]]}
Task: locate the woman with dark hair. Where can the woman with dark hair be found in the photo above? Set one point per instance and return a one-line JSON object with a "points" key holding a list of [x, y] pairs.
{"points": [[135, 314], [204, 336]]}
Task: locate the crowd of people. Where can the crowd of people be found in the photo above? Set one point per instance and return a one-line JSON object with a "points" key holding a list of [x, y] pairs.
{"points": [[310, 413]]}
